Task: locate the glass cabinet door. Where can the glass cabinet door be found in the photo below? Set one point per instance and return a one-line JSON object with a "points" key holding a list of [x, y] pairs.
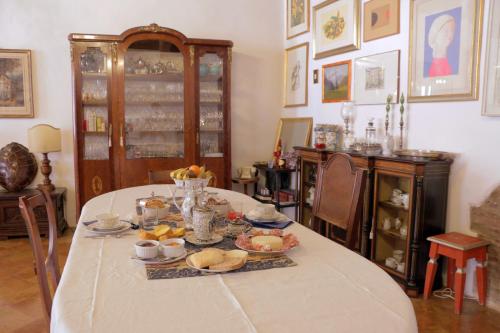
{"points": [[211, 106], [94, 97], [154, 100], [392, 221]]}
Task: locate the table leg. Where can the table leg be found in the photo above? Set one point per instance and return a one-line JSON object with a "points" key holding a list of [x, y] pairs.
{"points": [[451, 273], [459, 284], [482, 277], [431, 270], [245, 188]]}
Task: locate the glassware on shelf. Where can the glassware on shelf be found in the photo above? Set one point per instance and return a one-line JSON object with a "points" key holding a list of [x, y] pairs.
{"points": [[93, 60], [96, 147], [370, 133], [347, 114]]}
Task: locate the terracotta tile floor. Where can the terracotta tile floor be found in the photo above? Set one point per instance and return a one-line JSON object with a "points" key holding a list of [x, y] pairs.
{"points": [[21, 311]]}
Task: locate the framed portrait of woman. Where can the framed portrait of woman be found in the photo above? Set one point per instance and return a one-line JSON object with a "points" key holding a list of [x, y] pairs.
{"points": [[297, 17], [445, 47]]}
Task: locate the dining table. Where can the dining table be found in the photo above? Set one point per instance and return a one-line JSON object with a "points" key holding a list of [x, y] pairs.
{"points": [[331, 289]]}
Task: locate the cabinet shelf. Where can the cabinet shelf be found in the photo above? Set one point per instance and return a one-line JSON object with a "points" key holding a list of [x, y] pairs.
{"points": [[104, 133], [95, 103], [94, 75], [389, 204], [167, 77], [211, 130], [392, 233]]}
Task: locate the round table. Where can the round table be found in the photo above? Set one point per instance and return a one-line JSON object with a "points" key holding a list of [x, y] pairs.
{"points": [[332, 289]]}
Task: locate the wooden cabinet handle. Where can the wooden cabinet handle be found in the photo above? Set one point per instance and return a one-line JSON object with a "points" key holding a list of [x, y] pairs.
{"points": [[110, 135]]}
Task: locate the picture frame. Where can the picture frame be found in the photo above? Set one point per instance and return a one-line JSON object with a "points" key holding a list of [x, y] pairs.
{"points": [[293, 132], [377, 76], [445, 50], [381, 18], [336, 84], [297, 18], [296, 75], [16, 89], [491, 86], [336, 27]]}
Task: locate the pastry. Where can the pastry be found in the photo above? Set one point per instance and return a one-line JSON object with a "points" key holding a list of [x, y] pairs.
{"points": [[267, 242], [144, 235], [162, 230], [155, 203], [207, 257], [228, 264]]}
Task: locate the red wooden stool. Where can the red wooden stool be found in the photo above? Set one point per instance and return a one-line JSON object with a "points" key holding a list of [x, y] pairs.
{"points": [[457, 248]]}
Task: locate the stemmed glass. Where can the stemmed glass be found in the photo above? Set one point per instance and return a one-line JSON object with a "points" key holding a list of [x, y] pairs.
{"points": [[347, 113]]}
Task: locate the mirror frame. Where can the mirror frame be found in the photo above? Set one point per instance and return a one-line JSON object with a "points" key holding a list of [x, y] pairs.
{"points": [[308, 120]]}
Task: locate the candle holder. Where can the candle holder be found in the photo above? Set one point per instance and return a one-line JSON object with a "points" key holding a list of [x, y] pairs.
{"points": [[401, 121]]}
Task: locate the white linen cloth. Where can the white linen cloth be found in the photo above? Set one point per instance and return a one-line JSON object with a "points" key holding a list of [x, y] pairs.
{"points": [[331, 289]]}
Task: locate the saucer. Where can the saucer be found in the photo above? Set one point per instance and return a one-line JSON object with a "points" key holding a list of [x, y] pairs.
{"points": [[160, 259], [276, 217], [191, 238], [120, 228]]}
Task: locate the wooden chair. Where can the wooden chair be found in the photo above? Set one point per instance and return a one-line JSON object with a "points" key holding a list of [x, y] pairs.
{"points": [[338, 199], [160, 177], [45, 266]]}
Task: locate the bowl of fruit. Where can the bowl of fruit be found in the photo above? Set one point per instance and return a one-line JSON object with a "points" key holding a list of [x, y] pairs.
{"points": [[193, 177]]}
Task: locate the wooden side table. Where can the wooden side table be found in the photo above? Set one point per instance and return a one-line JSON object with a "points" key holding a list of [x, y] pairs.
{"points": [[458, 248], [245, 182], [12, 223]]}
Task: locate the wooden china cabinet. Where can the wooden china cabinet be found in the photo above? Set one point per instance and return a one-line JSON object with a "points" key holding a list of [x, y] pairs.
{"points": [[148, 99], [388, 226]]}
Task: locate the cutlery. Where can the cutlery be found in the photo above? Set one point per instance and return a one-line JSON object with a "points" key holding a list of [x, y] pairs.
{"points": [[134, 226], [106, 236]]}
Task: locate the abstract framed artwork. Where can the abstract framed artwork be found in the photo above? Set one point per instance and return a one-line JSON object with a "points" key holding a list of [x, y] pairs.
{"points": [[445, 47], [297, 17], [491, 87], [336, 25], [377, 76], [16, 95], [380, 19], [296, 75], [337, 82]]}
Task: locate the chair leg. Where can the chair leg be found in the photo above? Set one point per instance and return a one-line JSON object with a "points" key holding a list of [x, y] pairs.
{"points": [[482, 281], [431, 270], [450, 273], [459, 285]]}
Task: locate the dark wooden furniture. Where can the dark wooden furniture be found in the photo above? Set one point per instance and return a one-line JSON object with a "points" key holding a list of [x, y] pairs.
{"points": [[425, 181], [11, 221], [160, 177], [338, 201], [148, 99], [458, 248], [245, 183], [278, 175], [43, 264]]}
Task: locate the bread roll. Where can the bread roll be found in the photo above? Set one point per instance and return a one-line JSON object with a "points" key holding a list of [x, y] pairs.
{"points": [[207, 257], [228, 264], [237, 254], [275, 243]]}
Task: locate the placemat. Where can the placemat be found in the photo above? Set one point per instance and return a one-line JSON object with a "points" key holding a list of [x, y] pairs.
{"points": [[180, 269]]}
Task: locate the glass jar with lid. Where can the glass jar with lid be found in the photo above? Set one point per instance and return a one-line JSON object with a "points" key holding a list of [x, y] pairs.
{"points": [[319, 137], [370, 133]]}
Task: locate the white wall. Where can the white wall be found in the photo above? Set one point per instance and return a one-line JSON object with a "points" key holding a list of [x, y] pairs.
{"points": [[456, 127], [255, 27]]}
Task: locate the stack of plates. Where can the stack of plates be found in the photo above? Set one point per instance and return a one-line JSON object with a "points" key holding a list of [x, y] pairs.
{"points": [[98, 229]]}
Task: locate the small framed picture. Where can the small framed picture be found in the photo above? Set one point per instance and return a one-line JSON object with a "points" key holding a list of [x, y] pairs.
{"points": [[297, 17], [444, 54], [337, 82], [336, 25], [296, 70], [377, 76], [380, 19], [491, 90], [16, 95]]}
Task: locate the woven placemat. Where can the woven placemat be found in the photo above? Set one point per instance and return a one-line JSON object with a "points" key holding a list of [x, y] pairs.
{"points": [[180, 269]]}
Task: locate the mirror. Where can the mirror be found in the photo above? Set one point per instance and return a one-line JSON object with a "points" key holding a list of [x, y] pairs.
{"points": [[293, 132]]}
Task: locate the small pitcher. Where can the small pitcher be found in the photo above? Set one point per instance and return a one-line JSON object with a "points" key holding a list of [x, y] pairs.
{"points": [[203, 223]]}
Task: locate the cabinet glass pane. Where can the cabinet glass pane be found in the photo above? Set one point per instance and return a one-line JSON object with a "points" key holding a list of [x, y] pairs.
{"points": [[393, 221], [94, 96], [211, 106], [154, 100]]}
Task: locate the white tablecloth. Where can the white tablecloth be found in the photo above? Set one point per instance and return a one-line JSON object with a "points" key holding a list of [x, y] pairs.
{"points": [[330, 290]]}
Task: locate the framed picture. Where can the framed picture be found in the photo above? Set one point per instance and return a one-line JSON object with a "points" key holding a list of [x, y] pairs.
{"points": [[380, 19], [296, 69], [337, 82], [445, 47], [16, 96], [297, 17], [491, 87], [377, 76], [336, 25]]}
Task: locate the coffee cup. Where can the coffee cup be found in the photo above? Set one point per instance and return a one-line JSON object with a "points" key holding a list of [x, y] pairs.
{"points": [[391, 262], [265, 211], [400, 267], [398, 255], [108, 220], [387, 224]]}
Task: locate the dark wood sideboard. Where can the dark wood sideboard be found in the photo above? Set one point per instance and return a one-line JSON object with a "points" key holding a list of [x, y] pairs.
{"points": [[426, 183], [12, 222]]}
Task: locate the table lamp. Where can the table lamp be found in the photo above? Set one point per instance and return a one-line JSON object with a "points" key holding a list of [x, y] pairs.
{"points": [[44, 139]]}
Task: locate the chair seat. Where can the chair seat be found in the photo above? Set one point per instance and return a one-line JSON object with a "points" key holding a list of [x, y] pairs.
{"points": [[458, 241]]}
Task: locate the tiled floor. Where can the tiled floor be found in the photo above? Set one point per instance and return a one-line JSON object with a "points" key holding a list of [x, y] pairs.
{"points": [[21, 311]]}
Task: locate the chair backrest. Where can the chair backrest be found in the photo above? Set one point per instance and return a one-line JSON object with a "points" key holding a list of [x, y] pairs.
{"points": [[338, 198], [45, 266], [160, 177]]}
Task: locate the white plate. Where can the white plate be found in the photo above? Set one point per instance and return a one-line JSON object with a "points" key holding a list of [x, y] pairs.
{"points": [[122, 227], [206, 270], [263, 252], [161, 259], [277, 217], [216, 238]]}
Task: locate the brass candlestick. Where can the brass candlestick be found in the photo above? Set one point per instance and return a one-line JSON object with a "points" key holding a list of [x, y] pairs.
{"points": [[401, 121]]}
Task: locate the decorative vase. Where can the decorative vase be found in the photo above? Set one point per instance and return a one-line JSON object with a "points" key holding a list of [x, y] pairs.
{"points": [[18, 167]]}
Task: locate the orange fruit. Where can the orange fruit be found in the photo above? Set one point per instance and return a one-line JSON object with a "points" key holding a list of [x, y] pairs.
{"points": [[196, 169]]}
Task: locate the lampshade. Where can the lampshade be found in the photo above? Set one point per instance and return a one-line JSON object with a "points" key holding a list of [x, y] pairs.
{"points": [[44, 138]]}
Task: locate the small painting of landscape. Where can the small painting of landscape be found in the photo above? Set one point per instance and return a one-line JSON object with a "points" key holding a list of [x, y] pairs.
{"points": [[337, 82]]}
